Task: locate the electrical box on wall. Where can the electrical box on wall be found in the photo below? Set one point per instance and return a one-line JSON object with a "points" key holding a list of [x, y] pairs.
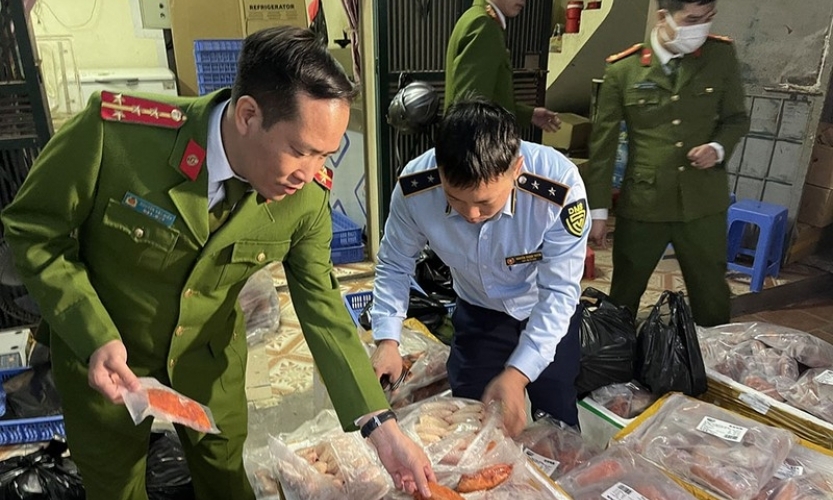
{"points": [[156, 14]]}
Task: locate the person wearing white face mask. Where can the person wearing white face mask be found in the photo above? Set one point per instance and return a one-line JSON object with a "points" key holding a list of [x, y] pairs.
{"points": [[681, 97]]}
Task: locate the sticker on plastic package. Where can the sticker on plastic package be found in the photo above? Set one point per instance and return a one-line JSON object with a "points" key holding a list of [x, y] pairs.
{"points": [[721, 429], [825, 377], [789, 471], [754, 402], [621, 491], [547, 465]]}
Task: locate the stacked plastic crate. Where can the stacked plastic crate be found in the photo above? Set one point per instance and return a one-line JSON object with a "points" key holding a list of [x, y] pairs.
{"points": [[347, 243], [216, 62]]}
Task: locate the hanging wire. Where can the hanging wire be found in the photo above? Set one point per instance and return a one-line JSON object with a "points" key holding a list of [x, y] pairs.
{"points": [[42, 4]]}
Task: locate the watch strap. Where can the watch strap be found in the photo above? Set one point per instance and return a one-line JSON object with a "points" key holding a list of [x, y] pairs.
{"points": [[375, 421]]}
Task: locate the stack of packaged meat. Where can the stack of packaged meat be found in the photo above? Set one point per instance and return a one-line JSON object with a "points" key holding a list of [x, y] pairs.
{"points": [[720, 451], [625, 400], [806, 474], [554, 447], [618, 473], [785, 364]]}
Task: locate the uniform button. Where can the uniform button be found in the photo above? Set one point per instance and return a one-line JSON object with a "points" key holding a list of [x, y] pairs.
{"points": [[179, 331], [642, 101], [676, 122], [138, 232], [681, 168], [172, 362], [675, 97], [189, 293], [261, 257], [709, 90], [679, 144], [234, 335]]}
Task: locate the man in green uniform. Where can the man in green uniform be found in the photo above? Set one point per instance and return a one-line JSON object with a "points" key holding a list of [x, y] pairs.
{"points": [[477, 62], [113, 235], [681, 97]]}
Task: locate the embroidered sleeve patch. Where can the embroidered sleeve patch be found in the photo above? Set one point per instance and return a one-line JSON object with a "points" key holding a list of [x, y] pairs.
{"points": [[574, 216]]}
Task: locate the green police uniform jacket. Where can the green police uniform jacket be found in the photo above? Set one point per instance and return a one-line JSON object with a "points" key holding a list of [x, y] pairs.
{"points": [[665, 119], [477, 60], [101, 270]]}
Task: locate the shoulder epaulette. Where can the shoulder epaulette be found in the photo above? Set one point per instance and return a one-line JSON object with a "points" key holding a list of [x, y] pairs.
{"points": [[324, 178], [625, 53], [721, 38], [129, 109], [419, 182], [542, 187]]}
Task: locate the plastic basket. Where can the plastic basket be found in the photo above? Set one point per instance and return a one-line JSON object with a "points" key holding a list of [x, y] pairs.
{"points": [[28, 430], [347, 255], [355, 302], [346, 233], [216, 62]]}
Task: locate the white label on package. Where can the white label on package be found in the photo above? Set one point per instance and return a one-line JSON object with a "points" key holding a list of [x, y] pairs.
{"points": [[825, 377], [621, 491], [721, 429], [787, 471], [754, 402], [547, 465]]}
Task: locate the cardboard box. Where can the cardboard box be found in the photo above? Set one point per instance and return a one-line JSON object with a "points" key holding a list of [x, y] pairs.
{"points": [[572, 136], [816, 206], [13, 353], [806, 242], [226, 19], [820, 172], [598, 424]]}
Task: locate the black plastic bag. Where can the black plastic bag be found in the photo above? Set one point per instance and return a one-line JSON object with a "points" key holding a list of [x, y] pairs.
{"points": [[434, 277], [669, 352], [427, 310], [32, 393], [42, 475], [608, 342], [167, 476]]}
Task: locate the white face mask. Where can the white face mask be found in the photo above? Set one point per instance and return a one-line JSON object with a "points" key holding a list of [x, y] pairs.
{"points": [[687, 39]]}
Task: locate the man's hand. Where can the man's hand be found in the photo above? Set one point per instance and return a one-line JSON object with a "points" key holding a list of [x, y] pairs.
{"points": [[702, 157], [108, 371], [598, 233], [509, 389], [546, 120], [386, 360], [406, 462]]}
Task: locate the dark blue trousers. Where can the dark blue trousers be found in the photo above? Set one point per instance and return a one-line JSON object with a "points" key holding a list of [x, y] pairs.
{"points": [[483, 341]]}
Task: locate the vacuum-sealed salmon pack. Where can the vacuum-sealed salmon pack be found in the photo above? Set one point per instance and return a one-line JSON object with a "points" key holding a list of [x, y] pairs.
{"points": [[620, 473], [718, 450], [163, 403], [806, 474], [554, 447]]}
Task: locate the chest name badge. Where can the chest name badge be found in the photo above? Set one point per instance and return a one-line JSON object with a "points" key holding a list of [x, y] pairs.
{"points": [[147, 208], [524, 259], [645, 85]]}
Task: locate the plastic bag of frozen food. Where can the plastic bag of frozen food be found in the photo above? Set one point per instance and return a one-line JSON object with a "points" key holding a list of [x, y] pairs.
{"points": [[163, 403], [806, 474], [555, 447], [261, 306], [264, 481], [444, 426], [721, 451], [813, 392], [626, 400], [806, 348]]}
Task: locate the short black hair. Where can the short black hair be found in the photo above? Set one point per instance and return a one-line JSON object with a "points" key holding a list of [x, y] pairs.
{"points": [[673, 6], [276, 64], [476, 142]]}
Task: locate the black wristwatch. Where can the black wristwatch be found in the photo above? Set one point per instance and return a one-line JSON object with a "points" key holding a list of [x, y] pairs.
{"points": [[375, 421]]}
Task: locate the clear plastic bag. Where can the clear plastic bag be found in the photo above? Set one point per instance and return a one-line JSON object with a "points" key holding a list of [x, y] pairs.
{"points": [[718, 450], [163, 403], [621, 474], [444, 426], [806, 474], [261, 306], [258, 464], [555, 447], [814, 393], [805, 348], [626, 400]]}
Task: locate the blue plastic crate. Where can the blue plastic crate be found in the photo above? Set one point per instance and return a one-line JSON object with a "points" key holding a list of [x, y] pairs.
{"points": [[355, 302], [28, 430], [346, 233], [216, 62], [347, 255]]}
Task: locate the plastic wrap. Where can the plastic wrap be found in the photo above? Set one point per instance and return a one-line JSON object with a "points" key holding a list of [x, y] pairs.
{"points": [[805, 348], [313, 463], [163, 403], [608, 342], [626, 400], [444, 426], [261, 306], [554, 447], [167, 476], [806, 474], [814, 393], [262, 477], [619, 473], [718, 450]]}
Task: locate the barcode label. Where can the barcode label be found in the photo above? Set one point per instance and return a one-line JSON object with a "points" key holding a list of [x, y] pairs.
{"points": [[721, 429], [548, 465], [621, 491], [787, 471], [825, 377], [755, 402]]}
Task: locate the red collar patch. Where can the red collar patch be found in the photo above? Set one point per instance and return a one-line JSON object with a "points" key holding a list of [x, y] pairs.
{"points": [[325, 178], [645, 60], [129, 109], [192, 160]]}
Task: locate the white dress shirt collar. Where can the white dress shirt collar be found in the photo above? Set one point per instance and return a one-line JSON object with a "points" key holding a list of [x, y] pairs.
{"points": [[499, 15]]}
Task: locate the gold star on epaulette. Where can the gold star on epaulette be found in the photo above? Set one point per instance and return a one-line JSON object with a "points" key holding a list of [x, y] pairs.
{"points": [[419, 182], [542, 187]]}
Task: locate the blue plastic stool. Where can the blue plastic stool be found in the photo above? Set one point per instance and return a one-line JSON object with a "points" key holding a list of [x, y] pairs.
{"points": [[772, 221]]}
